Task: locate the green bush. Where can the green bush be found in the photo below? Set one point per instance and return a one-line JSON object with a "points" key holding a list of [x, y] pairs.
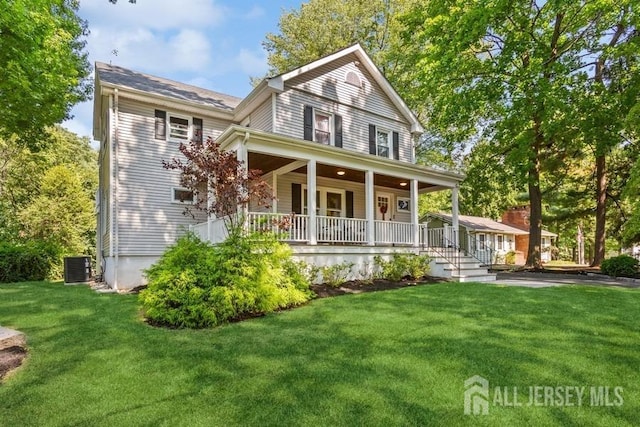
{"points": [[31, 261], [510, 257], [337, 274], [623, 265], [403, 265], [196, 285]]}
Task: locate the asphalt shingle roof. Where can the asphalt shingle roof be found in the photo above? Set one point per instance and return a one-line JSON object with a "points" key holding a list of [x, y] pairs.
{"points": [[124, 77], [478, 223]]}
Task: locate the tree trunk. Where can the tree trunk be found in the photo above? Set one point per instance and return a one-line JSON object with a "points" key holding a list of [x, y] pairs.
{"points": [[535, 199], [601, 210]]}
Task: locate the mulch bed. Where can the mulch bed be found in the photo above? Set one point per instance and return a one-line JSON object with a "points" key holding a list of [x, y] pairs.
{"points": [[357, 286], [10, 359]]}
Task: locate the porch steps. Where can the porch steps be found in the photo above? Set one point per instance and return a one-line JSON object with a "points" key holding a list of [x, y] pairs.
{"points": [[470, 269]]}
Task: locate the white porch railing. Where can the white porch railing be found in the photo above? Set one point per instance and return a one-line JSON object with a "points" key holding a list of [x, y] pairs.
{"points": [[286, 227], [294, 228], [341, 230], [393, 232], [213, 230]]}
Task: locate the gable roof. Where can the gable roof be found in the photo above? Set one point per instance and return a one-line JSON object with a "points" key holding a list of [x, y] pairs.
{"points": [[276, 84], [112, 75], [487, 225]]}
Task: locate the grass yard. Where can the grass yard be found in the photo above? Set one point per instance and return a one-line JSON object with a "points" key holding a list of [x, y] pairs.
{"points": [[387, 358]]}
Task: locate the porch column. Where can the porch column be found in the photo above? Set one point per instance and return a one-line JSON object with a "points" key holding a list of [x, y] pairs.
{"points": [[454, 216], [370, 204], [414, 212], [243, 156], [274, 188], [311, 201]]}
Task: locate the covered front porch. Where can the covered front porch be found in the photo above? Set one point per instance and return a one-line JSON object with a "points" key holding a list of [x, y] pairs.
{"points": [[325, 195]]}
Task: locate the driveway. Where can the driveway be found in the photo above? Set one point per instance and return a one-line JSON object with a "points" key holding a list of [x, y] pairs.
{"points": [[543, 280]]}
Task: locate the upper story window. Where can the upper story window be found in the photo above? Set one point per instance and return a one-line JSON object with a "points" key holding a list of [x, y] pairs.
{"points": [[180, 128], [322, 127], [384, 143]]}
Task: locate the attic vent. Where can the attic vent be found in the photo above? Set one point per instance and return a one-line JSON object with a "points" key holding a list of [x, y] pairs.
{"points": [[353, 79]]}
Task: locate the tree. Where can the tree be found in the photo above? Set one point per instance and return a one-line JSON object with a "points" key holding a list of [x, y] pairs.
{"points": [[22, 172], [515, 73], [43, 68], [225, 181], [62, 213]]}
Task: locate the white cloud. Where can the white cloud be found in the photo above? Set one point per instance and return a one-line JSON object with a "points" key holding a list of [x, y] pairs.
{"points": [[153, 14], [253, 63], [255, 12]]}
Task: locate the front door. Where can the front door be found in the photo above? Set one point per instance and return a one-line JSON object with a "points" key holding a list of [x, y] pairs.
{"points": [[383, 206]]}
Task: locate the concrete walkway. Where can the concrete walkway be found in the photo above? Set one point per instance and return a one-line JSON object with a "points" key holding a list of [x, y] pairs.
{"points": [[543, 280]]}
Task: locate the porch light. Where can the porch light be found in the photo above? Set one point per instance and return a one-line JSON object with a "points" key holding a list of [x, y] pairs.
{"points": [[341, 173], [403, 184]]}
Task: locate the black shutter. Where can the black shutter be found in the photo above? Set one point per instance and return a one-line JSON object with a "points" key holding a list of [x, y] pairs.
{"points": [[372, 139], [349, 197], [337, 124], [161, 124], [396, 146], [308, 123], [197, 130], [296, 198]]}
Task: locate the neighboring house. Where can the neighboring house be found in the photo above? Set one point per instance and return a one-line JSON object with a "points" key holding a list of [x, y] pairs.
{"points": [[333, 138], [488, 240]]}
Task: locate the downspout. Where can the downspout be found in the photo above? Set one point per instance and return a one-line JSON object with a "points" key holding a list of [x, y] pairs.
{"points": [[110, 177], [115, 190]]}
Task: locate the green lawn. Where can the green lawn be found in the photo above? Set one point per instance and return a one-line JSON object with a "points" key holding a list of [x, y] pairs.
{"points": [[387, 358]]}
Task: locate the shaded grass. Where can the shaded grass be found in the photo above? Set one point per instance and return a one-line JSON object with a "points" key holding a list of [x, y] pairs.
{"points": [[387, 358]]}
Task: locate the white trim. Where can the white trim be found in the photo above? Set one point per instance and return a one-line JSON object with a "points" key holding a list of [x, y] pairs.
{"points": [[385, 131], [324, 113], [322, 208], [189, 120]]}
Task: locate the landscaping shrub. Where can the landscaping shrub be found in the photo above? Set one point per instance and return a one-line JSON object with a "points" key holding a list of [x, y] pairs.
{"points": [[510, 257], [32, 261], [623, 265], [403, 265], [335, 275], [196, 285]]}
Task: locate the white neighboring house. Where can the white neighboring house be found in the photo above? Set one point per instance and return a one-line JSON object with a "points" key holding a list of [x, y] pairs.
{"points": [[333, 139], [490, 240]]}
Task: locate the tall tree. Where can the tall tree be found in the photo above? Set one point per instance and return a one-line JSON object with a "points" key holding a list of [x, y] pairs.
{"points": [[43, 66], [514, 72]]}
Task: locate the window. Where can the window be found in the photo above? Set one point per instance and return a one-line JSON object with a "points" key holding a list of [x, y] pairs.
{"points": [[182, 195], [500, 242], [322, 128], [382, 143], [329, 202], [482, 241], [178, 128]]}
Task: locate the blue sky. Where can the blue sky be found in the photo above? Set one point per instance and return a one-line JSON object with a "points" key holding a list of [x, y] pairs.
{"points": [[215, 44]]}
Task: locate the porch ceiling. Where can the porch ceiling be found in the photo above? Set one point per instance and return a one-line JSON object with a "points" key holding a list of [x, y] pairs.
{"points": [[267, 163]]}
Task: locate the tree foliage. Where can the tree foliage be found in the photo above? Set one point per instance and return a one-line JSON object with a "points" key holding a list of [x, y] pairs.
{"points": [[43, 66], [516, 73], [48, 194], [219, 180]]}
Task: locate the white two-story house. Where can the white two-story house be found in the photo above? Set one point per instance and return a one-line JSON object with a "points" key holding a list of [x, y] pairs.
{"points": [[333, 139]]}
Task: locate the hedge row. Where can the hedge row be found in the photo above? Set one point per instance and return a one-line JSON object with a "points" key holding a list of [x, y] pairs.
{"points": [[31, 261]]}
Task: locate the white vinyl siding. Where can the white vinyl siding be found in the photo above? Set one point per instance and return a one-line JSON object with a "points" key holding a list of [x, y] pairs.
{"points": [[148, 220], [262, 116], [355, 122]]}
